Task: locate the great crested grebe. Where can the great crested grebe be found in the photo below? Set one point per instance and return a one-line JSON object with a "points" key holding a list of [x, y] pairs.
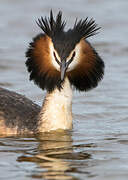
{"points": [[56, 61]]}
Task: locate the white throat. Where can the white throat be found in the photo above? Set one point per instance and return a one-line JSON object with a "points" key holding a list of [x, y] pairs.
{"points": [[56, 111]]}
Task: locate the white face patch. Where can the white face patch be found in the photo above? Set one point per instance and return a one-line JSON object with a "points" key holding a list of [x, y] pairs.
{"points": [[74, 62], [52, 51], [76, 58]]}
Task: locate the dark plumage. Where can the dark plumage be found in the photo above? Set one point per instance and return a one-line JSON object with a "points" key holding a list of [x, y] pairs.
{"points": [[84, 80], [44, 79], [17, 111]]}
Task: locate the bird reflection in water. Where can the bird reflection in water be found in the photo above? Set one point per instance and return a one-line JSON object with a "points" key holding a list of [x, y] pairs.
{"points": [[55, 155]]}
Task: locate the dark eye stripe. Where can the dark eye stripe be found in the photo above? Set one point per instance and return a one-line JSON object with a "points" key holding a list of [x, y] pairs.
{"points": [[70, 60], [56, 58], [67, 64]]}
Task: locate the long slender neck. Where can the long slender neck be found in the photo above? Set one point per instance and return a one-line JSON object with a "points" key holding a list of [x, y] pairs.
{"points": [[56, 112]]}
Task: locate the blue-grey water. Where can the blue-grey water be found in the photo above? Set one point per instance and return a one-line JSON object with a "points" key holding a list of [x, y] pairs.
{"points": [[97, 148]]}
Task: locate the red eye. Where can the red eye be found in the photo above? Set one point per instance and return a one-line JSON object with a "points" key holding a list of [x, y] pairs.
{"points": [[73, 55]]}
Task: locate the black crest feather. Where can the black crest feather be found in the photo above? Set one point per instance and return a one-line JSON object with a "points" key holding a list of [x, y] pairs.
{"points": [[52, 26], [85, 28], [82, 28]]}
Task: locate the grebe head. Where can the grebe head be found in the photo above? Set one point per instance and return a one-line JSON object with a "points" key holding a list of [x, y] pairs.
{"points": [[56, 54]]}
